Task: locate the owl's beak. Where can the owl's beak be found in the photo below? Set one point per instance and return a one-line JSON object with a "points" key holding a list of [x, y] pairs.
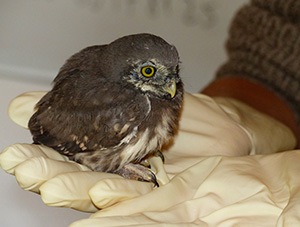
{"points": [[170, 88]]}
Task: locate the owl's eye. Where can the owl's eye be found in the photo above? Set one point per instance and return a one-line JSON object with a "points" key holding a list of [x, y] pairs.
{"points": [[148, 71]]}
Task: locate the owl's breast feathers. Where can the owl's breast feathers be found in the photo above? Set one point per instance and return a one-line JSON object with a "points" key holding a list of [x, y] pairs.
{"points": [[158, 127]]}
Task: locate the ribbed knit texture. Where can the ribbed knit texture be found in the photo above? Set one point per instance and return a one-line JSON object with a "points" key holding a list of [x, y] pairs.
{"points": [[264, 46]]}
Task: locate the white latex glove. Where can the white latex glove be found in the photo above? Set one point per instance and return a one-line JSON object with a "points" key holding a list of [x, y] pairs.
{"points": [[217, 191], [207, 129]]}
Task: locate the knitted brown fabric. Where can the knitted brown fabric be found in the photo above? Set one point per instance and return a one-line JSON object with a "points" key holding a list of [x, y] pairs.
{"points": [[264, 46]]}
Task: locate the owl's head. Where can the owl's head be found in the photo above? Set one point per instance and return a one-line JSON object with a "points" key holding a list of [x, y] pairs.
{"points": [[148, 63]]}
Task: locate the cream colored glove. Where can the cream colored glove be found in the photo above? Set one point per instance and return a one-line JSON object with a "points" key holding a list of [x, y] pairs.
{"points": [[217, 191], [208, 128]]}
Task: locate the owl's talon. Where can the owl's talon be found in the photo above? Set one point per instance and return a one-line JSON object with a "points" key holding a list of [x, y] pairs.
{"points": [[158, 153], [138, 172]]}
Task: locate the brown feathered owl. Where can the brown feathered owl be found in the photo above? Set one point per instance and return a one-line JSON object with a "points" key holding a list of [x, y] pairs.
{"points": [[113, 105]]}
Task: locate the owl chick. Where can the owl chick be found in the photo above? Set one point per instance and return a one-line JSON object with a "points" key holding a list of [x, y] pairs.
{"points": [[112, 105]]}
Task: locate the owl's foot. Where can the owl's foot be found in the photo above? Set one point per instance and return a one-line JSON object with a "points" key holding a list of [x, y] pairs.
{"points": [[138, 172], [141, 171]]}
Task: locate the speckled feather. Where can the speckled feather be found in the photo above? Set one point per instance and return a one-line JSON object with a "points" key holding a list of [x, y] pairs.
{"points": [[96, 117]]}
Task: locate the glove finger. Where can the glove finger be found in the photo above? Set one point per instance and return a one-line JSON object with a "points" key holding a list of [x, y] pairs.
{"points": [[32, 173], [72, 190], [157, 166], [112, 191], [22, 107], [13, 155]]}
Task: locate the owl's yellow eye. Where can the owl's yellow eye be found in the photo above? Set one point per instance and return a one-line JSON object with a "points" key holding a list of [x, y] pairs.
{"points": [[148, 71]]}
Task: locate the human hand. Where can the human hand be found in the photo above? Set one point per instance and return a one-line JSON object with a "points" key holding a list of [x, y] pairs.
{"points": [[215, 190]]}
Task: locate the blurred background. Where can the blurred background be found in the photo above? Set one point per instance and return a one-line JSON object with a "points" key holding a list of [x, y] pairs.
{"points": [[37, 36]]}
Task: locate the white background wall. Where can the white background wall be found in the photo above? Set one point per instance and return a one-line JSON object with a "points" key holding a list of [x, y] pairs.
{"points": [[36, 37]]}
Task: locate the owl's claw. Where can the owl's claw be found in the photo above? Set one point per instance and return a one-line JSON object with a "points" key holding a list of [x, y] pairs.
{"points": [[158, 153], [138, 172]]}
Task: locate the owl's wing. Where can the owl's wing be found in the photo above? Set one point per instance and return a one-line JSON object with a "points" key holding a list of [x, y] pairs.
{"points": [[101, 121]]}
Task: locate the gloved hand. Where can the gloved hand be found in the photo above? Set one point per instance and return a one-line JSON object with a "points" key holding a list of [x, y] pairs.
{"points": [[208, 128], [217, 191]]}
